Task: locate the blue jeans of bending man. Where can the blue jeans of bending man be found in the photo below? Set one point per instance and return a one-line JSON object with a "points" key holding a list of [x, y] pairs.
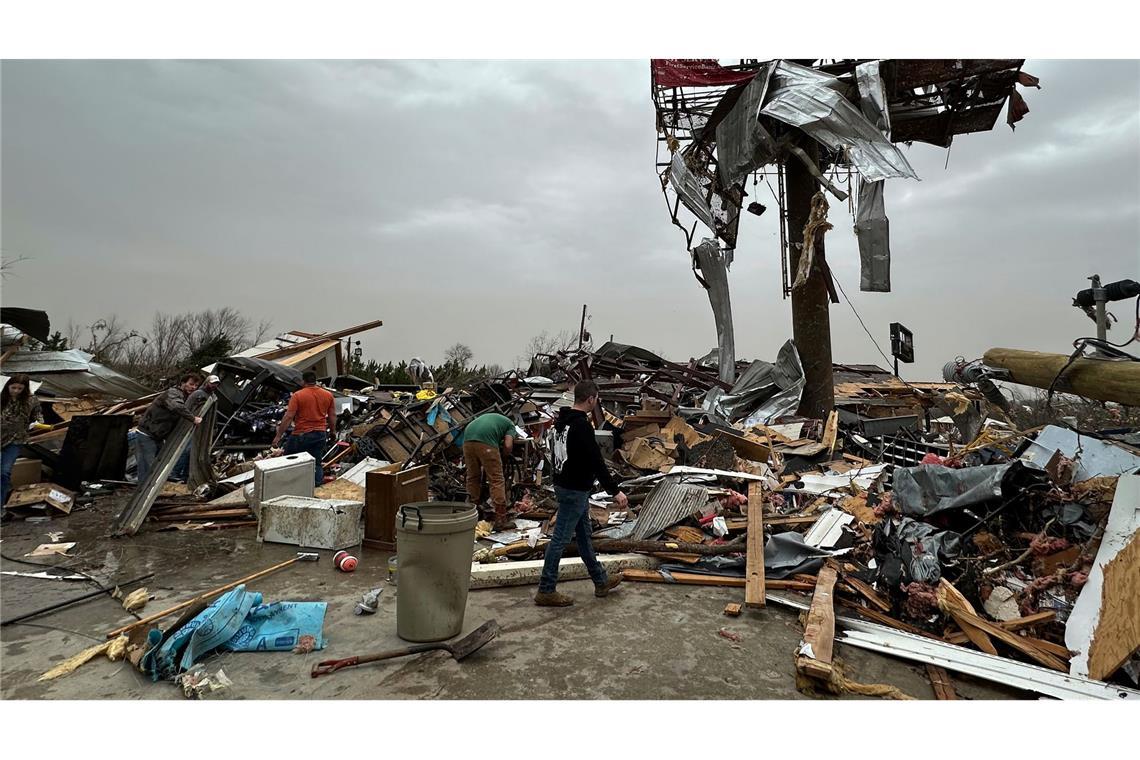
{"points": [[146, 452], [314, 444], [573, 522], [11, 453]]}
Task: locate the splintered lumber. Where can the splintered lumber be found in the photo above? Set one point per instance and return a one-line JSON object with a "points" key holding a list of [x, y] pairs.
{"points": [[831, 432], [698, 579], [754, 562], [1098, 379], [867, 592], [732, 609], [940, 681], [814, 655], [951, 602], [200, 515], [886, 620]]}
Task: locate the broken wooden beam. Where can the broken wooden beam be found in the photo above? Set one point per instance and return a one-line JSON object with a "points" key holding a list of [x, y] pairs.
{"points": [[754, 563], [813, 658]]}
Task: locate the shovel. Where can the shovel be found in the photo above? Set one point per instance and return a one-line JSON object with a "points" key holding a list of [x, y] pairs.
{"points": [[458, 650]]}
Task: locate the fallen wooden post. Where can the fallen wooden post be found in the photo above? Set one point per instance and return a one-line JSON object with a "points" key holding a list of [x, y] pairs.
{"points": [[813, 658], [754, 563], [940, 681], [697, 579]]}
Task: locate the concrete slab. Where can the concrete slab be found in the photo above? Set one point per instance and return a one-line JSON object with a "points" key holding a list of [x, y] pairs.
{"points": [[645, 641]]}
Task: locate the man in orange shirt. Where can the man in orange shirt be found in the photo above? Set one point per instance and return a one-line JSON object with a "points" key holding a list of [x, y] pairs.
{"points": [[312, 412]]}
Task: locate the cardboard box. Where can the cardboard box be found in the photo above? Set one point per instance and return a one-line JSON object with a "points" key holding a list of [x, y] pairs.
{"points": [[29, 498], [26, 472]]}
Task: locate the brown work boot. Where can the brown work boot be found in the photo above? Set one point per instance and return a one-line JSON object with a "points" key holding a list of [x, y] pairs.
{"points": [[608, 586], [552, 599]]}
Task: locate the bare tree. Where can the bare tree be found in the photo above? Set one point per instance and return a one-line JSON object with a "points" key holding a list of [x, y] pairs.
{"points": [[459, 355], [544, 343], [8, 262], [107, 339]]}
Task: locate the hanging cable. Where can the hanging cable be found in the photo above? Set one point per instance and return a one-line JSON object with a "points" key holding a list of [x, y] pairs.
{"points": [[864, 326]]}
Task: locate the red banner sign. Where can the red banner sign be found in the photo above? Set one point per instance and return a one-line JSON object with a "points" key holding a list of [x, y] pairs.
{"points": [[694, 72]]}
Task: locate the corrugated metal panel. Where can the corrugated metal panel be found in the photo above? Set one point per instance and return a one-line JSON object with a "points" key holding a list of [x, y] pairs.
{"points": [[72, 373], [669, 503], [36, 362]]}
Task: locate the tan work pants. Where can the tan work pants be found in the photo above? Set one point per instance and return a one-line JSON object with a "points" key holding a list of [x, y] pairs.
{"points": [[481, 458]]}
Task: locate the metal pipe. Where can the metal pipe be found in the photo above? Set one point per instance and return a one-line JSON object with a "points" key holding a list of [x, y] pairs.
{"points": [[66, 602]]}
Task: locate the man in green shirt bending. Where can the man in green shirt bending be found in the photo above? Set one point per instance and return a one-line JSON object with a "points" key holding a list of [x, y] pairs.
{"points": [[481, 441]]}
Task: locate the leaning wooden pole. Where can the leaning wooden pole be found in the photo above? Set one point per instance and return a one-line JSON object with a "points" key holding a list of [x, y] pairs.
{"points": [[1100, 379]]}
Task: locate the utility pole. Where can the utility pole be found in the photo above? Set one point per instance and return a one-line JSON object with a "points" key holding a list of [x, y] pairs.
{"points": [[582, 329], [811, 318]]}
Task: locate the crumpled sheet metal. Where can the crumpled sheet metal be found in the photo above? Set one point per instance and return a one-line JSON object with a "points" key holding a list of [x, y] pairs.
{"points": [[931, 488], [713, 264], [763, 392], [668, 503], [1094, 457], [742, 142], [814, 102], [873, 96], [688, 187], [873, 232]]}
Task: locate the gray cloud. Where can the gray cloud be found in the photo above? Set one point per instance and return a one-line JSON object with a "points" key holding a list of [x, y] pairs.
{"points": [[486, 201]]}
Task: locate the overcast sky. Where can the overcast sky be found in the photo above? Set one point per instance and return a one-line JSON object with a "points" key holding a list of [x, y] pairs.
{"points": [[485, 202]]}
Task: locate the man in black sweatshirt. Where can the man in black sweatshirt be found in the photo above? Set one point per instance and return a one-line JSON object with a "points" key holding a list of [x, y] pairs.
{"points": [[578, 462]]}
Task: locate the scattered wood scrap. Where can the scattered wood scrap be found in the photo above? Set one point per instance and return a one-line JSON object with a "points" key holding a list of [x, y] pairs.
{"points": [[733, 609], [754, 569], [813, 658]]}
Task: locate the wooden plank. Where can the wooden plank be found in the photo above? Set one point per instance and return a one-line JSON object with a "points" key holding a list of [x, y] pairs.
{"points": [[886, 620], [1117, 633], [732, 609], [696, 579], [1048, 616], [940, 680], [814, 655], [754, 563], [867, 592]]}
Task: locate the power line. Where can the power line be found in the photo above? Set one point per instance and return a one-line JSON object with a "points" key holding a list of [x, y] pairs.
{"points": [[862, 324]]}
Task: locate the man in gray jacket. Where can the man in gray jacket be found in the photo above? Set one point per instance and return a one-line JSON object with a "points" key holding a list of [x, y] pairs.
{"points": [[160, 419]]}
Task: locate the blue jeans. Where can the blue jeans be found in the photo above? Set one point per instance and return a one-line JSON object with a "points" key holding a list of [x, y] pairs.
{"points": [[182, 466], [313, 443], [8, 457], [573, 521], [146, 451]]}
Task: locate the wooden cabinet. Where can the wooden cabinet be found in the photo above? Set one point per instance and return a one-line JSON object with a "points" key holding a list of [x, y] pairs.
{"points": [[386, 489]]}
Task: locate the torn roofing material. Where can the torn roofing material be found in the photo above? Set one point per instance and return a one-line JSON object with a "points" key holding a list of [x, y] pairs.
{"points": [[814, 102], [669, 503], [73, 373], [763, 391]]}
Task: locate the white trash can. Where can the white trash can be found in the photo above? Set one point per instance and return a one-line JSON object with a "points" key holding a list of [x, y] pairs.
{"points": [[436, 539]]}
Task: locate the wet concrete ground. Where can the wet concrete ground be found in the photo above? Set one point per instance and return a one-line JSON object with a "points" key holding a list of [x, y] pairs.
{"points": [[646, 641]]}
